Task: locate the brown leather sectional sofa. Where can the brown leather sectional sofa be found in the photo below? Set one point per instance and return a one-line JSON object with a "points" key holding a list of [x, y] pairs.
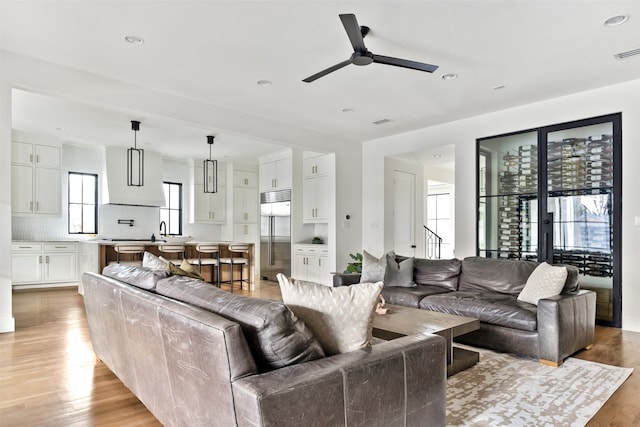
{"points": [[487, 289], [199, 356]]}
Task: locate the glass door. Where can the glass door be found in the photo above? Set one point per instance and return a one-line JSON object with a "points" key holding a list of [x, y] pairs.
{"points": [[581, 206], [553, 194], [508, 196]]}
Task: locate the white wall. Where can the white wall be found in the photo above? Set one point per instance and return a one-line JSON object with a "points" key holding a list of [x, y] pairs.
{"points": [[7, 323], [623, 98]]}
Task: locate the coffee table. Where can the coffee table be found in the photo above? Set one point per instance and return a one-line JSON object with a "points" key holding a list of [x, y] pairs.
{"points": [[401, 321]]}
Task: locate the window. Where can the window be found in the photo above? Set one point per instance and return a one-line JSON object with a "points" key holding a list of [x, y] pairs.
{"points": [[83, 203], [171, 212], [439, 220]]}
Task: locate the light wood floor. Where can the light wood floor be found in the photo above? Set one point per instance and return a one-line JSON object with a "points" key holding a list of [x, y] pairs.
{"points": [[49, 375]]}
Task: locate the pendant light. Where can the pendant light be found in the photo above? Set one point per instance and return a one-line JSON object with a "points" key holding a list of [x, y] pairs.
{"points": [[210, 171], [135, 160]]}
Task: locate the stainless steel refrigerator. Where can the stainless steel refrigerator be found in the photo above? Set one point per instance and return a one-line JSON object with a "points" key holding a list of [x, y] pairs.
{"points": [[275, 234]]}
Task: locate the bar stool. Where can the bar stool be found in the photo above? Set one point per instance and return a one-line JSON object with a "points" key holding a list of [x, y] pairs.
{"points": [[173, 249], [236, 250], [136, 251], [211, 258]]}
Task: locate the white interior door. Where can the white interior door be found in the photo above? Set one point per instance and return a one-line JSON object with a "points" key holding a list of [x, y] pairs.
{"points": [[404, 208]]}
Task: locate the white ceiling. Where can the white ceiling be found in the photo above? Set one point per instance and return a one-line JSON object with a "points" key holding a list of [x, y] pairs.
{"points": [[216, 51]]}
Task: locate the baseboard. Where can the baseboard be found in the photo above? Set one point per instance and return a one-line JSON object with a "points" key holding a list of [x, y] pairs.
{"points": [[7, 324], [631, 324]]}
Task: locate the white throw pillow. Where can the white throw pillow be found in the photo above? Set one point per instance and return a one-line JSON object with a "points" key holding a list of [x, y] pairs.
{"points": [[151, 261], [341, 318], [544, 282]]}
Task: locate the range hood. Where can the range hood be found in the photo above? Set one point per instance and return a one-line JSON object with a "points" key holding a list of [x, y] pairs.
{"points": [[114, 188]]}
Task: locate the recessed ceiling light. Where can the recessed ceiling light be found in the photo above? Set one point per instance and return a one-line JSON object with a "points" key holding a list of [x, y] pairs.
{"points": [[348, 110], [264, 82], [134, 39], [449, 76], [616, 20], [437, 156], [60, 129]]}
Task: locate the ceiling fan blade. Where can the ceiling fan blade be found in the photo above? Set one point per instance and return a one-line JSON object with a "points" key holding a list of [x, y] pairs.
{"points": [[405, 63], [327, 71], [352, 28]]}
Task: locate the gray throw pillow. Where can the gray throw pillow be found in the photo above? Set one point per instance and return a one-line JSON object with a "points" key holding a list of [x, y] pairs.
{"points": [[373, 268], [399, 274]]}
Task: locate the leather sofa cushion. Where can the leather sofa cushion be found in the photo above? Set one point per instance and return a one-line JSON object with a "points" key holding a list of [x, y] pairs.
{"points": [[571, 286], [489, 307], [506, 275], [140, 277], [437, 272], [410, 297], [275, 336], [500, 275]]}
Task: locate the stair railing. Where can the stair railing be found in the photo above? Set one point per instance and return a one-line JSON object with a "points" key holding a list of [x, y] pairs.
{"points": [[432, 244]]}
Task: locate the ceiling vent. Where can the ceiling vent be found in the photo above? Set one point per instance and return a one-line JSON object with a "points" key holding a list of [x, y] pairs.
{"points": [[382, 121], [628, 54]]}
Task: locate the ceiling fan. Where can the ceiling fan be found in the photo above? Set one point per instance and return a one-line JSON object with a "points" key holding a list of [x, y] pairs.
{"points": [[362, 56]]}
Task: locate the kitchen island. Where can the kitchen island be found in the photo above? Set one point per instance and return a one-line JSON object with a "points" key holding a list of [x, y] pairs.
{"points": [[107, 254]]}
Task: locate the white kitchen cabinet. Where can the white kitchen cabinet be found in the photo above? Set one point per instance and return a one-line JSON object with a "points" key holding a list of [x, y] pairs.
{"points": [[315, 166], [245, 205], [311, 263], [245, 233], [22, 153], [245, 179], [47, 200], [210, 207], [21, 189], [59, 263], [35, 179], [315, 199], [276, 174], [26, 263], [47, 156], [43, 263]]}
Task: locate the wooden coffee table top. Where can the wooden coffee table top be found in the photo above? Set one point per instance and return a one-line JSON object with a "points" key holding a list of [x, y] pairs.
{"points": [[409, 321]]}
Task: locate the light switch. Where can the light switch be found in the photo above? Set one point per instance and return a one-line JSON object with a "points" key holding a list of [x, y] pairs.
{"points": [[637, 220]]}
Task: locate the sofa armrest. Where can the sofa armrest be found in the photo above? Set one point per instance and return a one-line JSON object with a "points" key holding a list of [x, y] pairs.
{"points": [[566, 324], [346, 279], [398, 382]]}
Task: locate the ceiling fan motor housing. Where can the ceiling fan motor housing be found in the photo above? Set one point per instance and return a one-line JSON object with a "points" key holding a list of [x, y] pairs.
{"points": [[362, 58]]}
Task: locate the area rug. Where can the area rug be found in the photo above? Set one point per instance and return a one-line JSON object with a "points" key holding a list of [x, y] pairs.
{"points": [[505, 390]]}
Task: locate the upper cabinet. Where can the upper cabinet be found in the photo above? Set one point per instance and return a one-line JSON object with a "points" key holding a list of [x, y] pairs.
{"points": [[209, 207], [276, 172], [35, 178], [245, 203], [245, 179], [317, 166], [316, 188]]}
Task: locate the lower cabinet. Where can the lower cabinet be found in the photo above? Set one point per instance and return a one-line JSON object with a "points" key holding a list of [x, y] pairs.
{"points": [[245, 233], [43, 263], [311, 263]]}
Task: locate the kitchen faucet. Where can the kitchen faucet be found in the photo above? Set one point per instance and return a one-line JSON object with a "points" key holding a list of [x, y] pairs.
{"points": [[162, 223]]}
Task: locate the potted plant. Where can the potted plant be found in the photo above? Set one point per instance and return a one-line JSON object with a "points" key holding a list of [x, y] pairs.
{"points": [[356, 265]]}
